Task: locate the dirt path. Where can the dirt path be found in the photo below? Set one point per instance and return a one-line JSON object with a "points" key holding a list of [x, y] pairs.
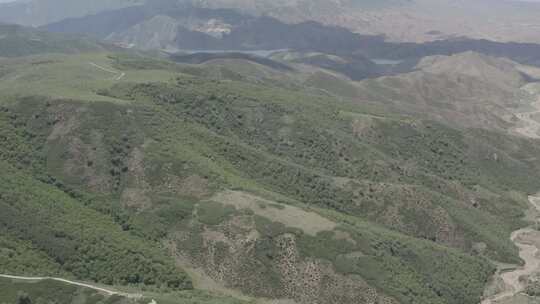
{"points": [[119, 75], [528, 253], [99, 289]]}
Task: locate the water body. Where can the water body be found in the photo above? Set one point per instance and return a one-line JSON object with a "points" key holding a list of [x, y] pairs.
{"points": [[260, 53], [381, 61]]}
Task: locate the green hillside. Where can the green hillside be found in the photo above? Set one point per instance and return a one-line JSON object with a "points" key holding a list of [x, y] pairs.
{"points": [[161, 177], [36, 13], [50, 291], [21, 41]]}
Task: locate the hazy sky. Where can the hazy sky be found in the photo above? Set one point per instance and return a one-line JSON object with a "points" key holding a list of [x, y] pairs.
{"points": [[4, 1]]}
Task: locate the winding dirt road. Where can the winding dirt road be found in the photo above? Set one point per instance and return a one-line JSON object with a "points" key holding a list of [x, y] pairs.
{"points": [[90, 286], [119, 75]]}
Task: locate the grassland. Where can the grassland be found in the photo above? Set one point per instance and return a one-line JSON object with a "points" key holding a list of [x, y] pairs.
{"points": [[72, 77], [49, 291]]}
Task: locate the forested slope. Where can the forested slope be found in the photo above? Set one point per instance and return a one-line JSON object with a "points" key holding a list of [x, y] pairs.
{"points": [[273, 190]]}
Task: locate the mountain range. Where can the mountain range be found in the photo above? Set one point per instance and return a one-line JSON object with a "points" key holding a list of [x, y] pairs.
{"points": [[396, 20], [173, 28]]}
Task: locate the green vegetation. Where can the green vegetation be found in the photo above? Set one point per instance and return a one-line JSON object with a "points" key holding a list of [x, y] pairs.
{"points": [[412, 271], [21, 41], [48, 291], [21, 257], [115, 183], [211, 213], [294, 158], [82, 241]]}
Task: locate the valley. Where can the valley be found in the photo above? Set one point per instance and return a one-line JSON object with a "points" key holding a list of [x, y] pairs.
{"points": [[512, 279]]}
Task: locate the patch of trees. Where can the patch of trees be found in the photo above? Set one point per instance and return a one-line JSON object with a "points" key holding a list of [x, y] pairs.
{"points": [[83, 242]]}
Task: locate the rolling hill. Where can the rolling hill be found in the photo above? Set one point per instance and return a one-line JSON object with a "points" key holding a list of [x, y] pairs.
{"points": [[40, 12], [22, 41], [464, 90], [253, 189]]}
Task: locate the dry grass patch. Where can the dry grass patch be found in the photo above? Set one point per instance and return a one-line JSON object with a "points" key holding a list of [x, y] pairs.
{"points": [[294, 217]]}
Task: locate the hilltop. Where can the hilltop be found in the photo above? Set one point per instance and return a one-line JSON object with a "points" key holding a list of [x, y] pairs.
{"points": [[22, 41], [464, 90], [40, 12]]}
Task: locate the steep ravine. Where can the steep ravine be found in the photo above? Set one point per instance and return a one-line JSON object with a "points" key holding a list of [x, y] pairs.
{"points": [[528, 253]]}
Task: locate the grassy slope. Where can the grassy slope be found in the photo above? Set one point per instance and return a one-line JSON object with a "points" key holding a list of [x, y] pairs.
{"points": [[49, 291], [432, 186], [67, 76]]}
